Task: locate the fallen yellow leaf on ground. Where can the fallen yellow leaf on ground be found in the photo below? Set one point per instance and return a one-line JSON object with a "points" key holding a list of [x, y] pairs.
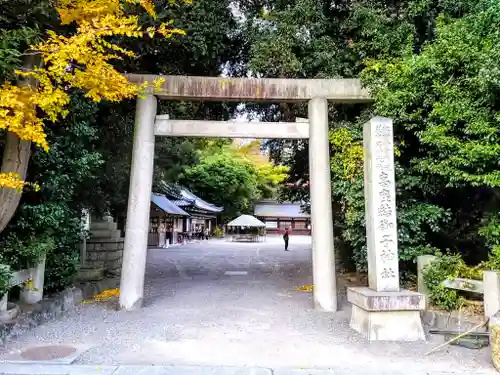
{"points": [[304, 288], [105, 295]]}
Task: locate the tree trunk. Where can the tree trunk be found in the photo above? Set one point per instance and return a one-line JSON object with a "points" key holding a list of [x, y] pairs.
{"points": [[16, 156], [15, 159]]}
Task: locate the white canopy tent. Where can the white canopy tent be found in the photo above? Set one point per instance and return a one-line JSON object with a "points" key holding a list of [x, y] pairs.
{"points": [[247, 228], [246, 221]]}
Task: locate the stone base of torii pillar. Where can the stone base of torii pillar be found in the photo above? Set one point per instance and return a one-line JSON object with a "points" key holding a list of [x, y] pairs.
{"points": [[382, 311]]}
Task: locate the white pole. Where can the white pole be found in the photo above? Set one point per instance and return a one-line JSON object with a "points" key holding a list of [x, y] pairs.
{"points": [[324, 290], [139, 202]]}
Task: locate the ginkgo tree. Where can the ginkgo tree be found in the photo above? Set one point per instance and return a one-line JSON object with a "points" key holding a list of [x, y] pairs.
{"points": [[79, 60], [269, 174]]}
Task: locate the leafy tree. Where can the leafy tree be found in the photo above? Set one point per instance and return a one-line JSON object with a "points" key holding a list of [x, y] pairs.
{"points": [[387, 39], [210, 45], [77, 51], [447, 97], [270, 175], [49, 219], [110, 189], [94, 167], [234, 176], [225, 180], [78, 59], [444, 102]]}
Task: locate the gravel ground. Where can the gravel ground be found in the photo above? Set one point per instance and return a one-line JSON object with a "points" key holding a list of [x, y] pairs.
{"points": [[196, 315]]}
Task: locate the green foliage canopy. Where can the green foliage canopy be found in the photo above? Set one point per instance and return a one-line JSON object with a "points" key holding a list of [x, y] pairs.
{"points": [[431, 66], [225, 180], [89, 161]]}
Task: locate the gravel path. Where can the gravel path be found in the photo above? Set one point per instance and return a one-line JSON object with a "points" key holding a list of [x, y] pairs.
{"points": [[197, 315]]}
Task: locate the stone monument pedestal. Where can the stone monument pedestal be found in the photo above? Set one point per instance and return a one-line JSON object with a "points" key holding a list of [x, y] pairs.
{"points": [[386, 316], [382, 311]]}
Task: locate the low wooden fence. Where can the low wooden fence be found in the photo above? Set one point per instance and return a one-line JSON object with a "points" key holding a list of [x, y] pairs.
{"points": [[32, 280], [489, 287]]}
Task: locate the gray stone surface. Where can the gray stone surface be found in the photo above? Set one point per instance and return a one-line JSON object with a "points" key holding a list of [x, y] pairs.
{"points": [[194, 315], [103, 224], [96, 234], [325, 289], [191, 370], [37, 369], [139, 203], [369, 299], [89, 274], [491, 280], [104, 250], [203, 370], [451, 321], [42, 312], [387, 325], [422, 262], [230, 129], [380, 205], [255, 89], [393, 316]]}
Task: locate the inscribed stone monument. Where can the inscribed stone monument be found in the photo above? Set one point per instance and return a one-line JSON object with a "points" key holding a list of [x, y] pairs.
{"points": [[380, 205], [382, 311]]}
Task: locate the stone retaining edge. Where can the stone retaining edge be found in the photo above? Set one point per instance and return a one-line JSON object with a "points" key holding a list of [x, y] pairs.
{"points": [[17, 369], [52, 307], [450, 321]]}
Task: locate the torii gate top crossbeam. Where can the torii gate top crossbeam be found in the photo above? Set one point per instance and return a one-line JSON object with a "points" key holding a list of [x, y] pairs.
{"points": [[255, 89]]}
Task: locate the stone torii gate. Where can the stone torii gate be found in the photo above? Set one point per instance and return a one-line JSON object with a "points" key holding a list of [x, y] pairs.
{"points": [[383, 271]]}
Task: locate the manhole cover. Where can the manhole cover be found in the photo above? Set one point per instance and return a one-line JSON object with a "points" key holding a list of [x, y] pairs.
{"points": [[47, 353]]}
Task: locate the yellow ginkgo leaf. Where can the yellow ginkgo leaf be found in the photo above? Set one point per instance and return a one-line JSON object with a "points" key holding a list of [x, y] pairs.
{"points": [[20, 107]]}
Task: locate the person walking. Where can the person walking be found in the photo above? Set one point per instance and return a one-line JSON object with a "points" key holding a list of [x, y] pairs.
{"points": [[162, 230], [285, 238]]}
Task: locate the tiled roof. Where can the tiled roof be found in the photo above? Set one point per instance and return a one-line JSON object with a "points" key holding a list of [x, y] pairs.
{"points": [[173, 191], [184, 198], [200, 203], [182, 202], [167, 206], [279, 210]]}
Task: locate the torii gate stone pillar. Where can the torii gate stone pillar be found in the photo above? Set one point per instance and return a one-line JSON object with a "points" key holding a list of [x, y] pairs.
{"points": [[323, 254], [139, 203]]}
